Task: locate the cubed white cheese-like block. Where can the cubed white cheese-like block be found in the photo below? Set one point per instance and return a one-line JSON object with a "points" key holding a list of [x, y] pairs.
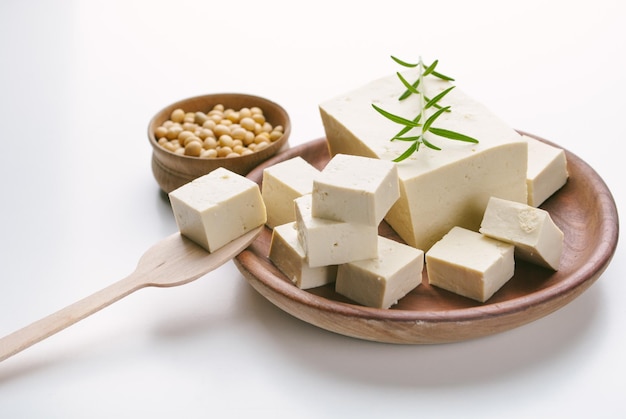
{"points": [[289, 257], [355, 189], [438, 189], [217, 208], [470, 264], [282, 183], [329, 242], [547, 170], [382, 281], [533, 232]]}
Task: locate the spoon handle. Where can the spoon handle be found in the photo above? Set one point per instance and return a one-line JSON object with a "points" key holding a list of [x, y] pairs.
{"points": [[55, 322]]}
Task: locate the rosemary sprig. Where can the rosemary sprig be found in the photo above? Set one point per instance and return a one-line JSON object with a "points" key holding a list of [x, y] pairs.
{"points": [[425, 103]]}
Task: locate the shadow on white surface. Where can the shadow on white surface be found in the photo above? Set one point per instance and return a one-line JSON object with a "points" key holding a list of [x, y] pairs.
{"points": [[195, 335], [208, 309], [492, 358]]}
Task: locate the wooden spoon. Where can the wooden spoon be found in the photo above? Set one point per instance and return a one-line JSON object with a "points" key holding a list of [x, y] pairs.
{"points": [[173, 261]]}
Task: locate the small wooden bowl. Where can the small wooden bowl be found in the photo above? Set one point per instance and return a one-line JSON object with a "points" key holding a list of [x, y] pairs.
{"points": [[173, 170]]}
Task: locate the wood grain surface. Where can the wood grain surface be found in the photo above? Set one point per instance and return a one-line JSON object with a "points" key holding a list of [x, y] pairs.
{"points": [[583, 209]]}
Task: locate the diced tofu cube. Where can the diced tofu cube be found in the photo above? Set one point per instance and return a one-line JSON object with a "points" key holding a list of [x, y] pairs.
{"points": [[470, 264], [282, 183], [328, 242], [217, 208], [355, 189], [289, 257], [382, 281], [547, 171], [531, 230]]}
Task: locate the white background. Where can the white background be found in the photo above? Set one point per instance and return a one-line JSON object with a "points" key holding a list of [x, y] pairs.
{"points": [[79, 82]]}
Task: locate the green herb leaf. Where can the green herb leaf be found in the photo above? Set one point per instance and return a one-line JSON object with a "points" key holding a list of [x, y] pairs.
{"points": [[409, 151], [402, 132], [425, 103], [404, 63], [408, 92], [408, 128], [430, 68], [414, 138], [411, 88], [395, 118], [433, 118], [430, 145], [433, 101], [452, 135], [442, 76]]}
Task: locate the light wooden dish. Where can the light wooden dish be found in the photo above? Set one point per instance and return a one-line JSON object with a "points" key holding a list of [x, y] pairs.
{"points": [[584, 209], [172, 170]]}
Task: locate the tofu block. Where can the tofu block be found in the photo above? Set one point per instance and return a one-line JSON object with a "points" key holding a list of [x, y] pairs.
{"points": [[531, 230], [282, 183], [217, 208], [547, 171], [289, 257], [470, 264], [329, 242], [438, 189], [355, 189], [382, 281]]}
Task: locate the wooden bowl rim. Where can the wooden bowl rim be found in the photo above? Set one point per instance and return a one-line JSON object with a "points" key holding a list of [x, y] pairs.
{"points": [[291, 299], [157, 119]]}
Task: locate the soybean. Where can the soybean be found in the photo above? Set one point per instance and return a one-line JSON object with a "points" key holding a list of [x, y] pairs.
{"points": [[220, 132]]}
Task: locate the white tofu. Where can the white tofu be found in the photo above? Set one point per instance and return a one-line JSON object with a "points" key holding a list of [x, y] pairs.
{"points": [[289, 257], [282, 183], [355, 189], [438, 189], [531, 230], [382, 281], [217, 208], [470, 264], [547, 171], [329, 242]]}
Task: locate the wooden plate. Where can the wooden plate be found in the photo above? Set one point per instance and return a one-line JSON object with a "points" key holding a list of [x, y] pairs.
{"points": [[584, 209]]}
